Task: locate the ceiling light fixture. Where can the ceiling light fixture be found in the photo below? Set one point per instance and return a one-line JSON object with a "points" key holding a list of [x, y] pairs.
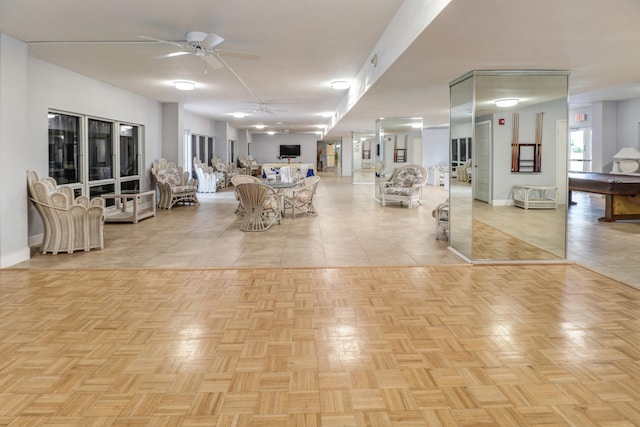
{"points": [[340, 84], [259, 126], [326, 114], [271, 132], [239, 115], [184, 85], [507, 102]]}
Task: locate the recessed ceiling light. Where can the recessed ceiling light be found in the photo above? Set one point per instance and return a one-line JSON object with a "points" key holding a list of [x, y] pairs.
{"points": [[326, 114], [239, 115], [271, 132], [184, 85], [259, 126], [340, 84], [416, 125], [507, 102]]}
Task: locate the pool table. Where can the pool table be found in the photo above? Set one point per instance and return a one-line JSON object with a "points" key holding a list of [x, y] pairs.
{"points": [[622, 192]]}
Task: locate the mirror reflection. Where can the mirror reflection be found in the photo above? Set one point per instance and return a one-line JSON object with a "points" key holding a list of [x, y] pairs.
{"points": [[399, 142], [364, 154], [511, 186]]}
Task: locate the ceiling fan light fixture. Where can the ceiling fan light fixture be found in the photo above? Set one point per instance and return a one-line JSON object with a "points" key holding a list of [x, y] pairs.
{"points": [[507, 102], [184, 85], [340, 84]]}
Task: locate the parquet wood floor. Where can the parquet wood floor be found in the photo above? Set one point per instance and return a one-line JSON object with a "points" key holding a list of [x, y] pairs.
{"points": [[450, 345]]}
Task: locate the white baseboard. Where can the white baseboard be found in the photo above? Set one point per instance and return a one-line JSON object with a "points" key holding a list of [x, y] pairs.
{"points": [[15, 257], [36, 240]]}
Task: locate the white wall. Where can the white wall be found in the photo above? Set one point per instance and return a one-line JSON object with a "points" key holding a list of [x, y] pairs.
{"points": [[503, 178], [266, 148], [15, 148], [435, 146]]}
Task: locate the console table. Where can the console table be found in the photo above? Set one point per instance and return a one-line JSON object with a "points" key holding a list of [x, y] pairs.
{"points": [[535, 196], [134, 213]]}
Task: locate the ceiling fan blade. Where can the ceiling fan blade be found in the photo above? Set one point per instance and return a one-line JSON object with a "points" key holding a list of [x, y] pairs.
{"points": [[180, 45], [212, 40], [236, 54], [173, 54]]}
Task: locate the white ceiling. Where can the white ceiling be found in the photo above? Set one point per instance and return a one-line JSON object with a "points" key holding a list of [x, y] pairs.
{"points": [[304, 44]]}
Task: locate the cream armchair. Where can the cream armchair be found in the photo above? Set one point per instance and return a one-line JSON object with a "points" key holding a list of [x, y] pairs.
{"points": [[300, 198], [70, 224], [404, 186], [175, 185]]}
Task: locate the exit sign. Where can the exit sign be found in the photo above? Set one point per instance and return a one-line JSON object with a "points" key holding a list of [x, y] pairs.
{"points": [[581, 117]]}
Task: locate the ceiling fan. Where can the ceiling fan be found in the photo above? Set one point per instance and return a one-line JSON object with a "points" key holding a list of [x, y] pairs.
{"points": [[203, 45]]}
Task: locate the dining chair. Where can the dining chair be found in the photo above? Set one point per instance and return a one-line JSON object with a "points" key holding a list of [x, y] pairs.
{"points": [[261, 206]]}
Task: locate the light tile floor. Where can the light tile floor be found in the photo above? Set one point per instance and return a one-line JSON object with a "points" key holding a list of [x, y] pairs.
{"points": [[352, 229]]}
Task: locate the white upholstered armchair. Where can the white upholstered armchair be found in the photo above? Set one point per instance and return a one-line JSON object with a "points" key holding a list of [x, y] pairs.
{"points": [[175, 185], [404, 186]]}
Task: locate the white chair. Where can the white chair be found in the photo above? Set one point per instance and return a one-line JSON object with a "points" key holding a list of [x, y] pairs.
{"points": [[404, 186], [300, 197], [289, 174], [175, 185], [261, 205], [269, 173], [208, 181], [70, 224]]}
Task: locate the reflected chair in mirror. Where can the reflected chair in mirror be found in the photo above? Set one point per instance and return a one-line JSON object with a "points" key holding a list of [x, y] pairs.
{"points": [[300, 197], [242, 179], [261, 204], [441, 215], [404, 186], [464, 171]]}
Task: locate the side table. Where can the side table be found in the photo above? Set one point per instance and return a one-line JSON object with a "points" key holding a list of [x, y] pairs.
{"points": [[134, 212]]}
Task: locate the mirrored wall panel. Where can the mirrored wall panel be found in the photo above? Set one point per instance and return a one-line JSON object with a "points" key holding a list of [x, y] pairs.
{"points": [[509, 165]]}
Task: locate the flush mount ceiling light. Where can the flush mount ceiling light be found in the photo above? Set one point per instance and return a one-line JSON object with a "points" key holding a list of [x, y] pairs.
{"points": [[507, 102], [340, 84], [184, 85]]}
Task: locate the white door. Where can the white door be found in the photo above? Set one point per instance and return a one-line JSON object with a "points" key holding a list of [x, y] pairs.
{"points": [[481, 177]]}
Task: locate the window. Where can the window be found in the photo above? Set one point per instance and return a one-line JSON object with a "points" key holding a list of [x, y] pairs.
{"points": [[94, 156], [64, 148], [100, 151], [202, 147]]}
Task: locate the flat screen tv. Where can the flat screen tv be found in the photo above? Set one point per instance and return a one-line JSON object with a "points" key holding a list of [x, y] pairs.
{"points": [[290, 151]]}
